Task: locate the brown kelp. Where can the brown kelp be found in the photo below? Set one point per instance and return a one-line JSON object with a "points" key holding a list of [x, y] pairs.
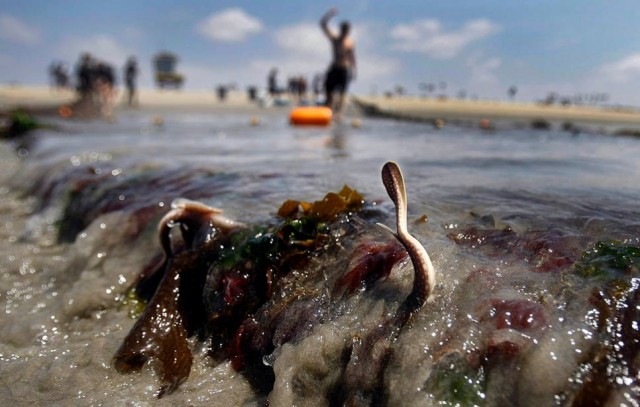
{"points": [[249, 290], [172, 314]]}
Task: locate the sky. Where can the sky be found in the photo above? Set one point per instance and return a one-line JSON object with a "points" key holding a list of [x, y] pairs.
{"points": [[471, 48]]}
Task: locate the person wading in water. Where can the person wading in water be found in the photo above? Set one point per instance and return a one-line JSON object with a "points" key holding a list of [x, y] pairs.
{"points": [[343, 65]]}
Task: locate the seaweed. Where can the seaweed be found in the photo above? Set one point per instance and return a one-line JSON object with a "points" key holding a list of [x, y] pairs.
{"points": [[546, 250], [611, 365], [20, 123], [372, 262], [236, 287], [326, 209], [214, 288], [609, 259], [455, 382]]}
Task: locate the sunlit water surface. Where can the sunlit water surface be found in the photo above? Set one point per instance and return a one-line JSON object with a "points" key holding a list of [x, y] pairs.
{"points": [[61, 322]]}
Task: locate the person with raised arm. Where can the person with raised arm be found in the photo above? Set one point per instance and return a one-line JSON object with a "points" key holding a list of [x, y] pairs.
{"points": [[343, 64]]}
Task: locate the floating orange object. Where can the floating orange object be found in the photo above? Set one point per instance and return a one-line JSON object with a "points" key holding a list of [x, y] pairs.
{"points": [[65, 111], [311, 116]]}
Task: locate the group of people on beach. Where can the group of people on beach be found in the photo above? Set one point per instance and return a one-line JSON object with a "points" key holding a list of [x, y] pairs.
{"points": [[59, 75], [96, 81], [297, 86]]}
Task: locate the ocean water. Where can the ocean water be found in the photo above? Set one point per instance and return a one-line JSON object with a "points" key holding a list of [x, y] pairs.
{"points": [[555, 193]]}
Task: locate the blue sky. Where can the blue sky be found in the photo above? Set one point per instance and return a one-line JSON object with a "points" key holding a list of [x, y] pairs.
{"points": [[572, 47]]}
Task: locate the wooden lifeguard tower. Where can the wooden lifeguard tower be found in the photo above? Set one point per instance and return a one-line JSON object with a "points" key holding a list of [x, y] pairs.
{"points": [[165, 66]]}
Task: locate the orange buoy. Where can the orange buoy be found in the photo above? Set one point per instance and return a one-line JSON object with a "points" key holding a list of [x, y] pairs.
{"points": [[65, 111], [311, 116]]}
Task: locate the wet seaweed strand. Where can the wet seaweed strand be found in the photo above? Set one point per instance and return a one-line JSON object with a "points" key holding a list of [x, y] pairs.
{"points": [[364, 375]]}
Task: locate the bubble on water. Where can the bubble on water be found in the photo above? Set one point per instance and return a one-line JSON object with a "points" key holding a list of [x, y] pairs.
{"points": [[269, 360]]}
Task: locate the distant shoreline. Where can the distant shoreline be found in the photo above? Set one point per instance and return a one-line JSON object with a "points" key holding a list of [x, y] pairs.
{"points": [[412, 108], [403, 108], [38, 97]]}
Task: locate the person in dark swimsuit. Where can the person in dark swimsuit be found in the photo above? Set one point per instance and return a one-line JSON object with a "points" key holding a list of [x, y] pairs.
{"points": [[343, 65], [130, 76]]}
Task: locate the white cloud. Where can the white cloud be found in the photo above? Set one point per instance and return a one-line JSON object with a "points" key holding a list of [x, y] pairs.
{"points": [[304, 39], [428, 37], [101, 46], [483, 69], [375, 70], [302, 49], [483, 79], [231, 25], [619, 80], [14, 30], [622, 70]]}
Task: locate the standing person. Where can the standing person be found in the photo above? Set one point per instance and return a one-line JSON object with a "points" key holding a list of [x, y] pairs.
{"points": [[316, 85], [343, 64], [105, 83], [272, 83], [130, 75], [85, 72]]}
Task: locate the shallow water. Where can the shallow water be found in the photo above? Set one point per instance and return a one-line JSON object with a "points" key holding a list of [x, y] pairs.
{"points": [[62, 322]]}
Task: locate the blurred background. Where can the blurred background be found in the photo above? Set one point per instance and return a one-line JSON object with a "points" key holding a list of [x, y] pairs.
{"points": [[573, 51]]}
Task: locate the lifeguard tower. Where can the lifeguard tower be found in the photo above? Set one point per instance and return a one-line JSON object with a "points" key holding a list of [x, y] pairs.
{"points": [[166, 75]]}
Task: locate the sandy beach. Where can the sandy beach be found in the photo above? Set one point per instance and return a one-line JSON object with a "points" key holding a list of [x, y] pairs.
{"points": [[37, 97], [432, 108], [409, 108]]}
